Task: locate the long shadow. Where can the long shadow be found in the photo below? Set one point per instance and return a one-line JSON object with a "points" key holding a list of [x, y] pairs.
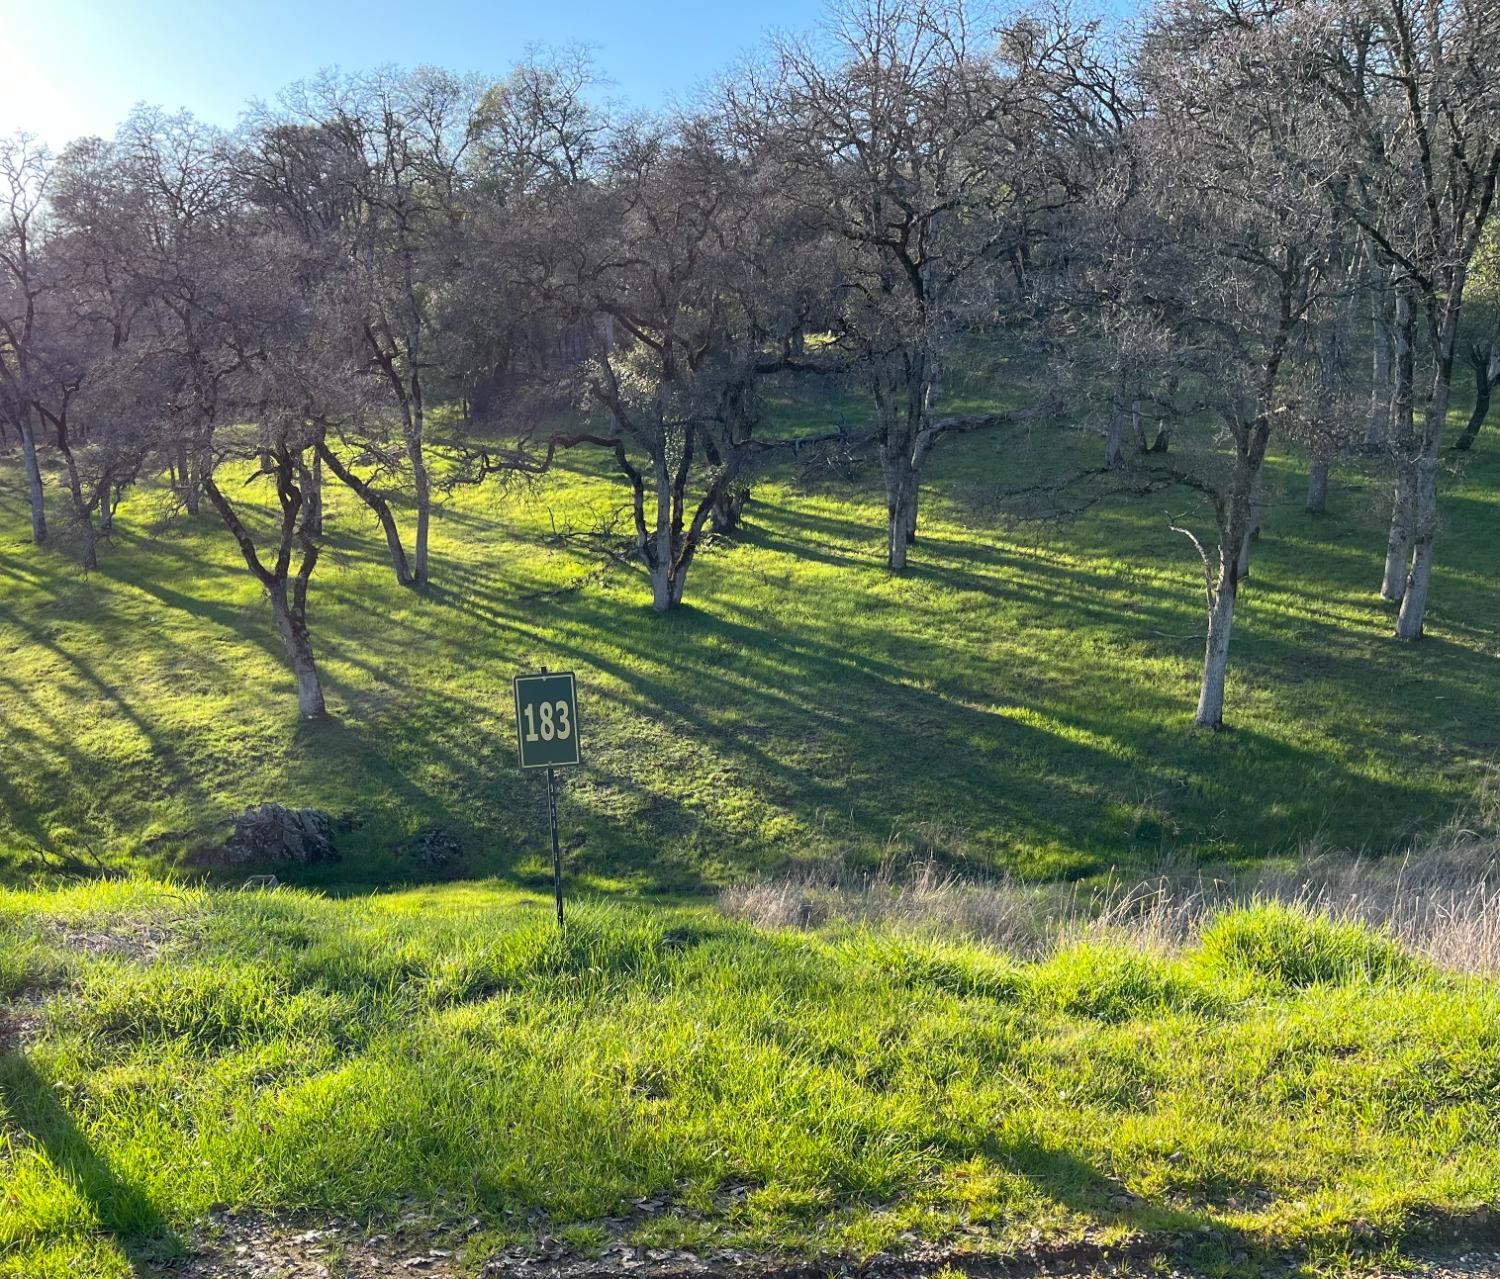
{"points": [[33, 1112], [1196, 1237]]}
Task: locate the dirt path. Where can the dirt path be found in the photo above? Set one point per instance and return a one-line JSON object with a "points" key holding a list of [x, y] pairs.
{"points": [[255, 1248]]}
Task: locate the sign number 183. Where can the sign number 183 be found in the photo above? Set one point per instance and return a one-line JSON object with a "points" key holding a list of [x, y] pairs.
{"points": [[548, 721]]}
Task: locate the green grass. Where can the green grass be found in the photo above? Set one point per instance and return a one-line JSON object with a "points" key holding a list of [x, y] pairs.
{"points": [[445, 1051], [1020, 699]]}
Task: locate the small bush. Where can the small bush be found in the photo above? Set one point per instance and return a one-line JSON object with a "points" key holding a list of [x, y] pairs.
{"points": [[1298, 949]]}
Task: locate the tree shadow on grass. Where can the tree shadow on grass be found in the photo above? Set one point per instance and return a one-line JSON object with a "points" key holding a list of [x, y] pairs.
{"points": [[32, 1113], [1186, 1234]]}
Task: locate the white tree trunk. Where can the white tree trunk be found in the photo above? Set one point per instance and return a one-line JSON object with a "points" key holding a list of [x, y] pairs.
{"points": [[1235, 534], [1402, 431], [299, 654], [666, 586], [1210, 713], [661, 589], [1112, 440], [1414, 598], [1424, 471], [1398, 538]]}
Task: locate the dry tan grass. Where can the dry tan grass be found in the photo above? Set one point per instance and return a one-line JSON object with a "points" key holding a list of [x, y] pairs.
{"points": [[1441, 900]]}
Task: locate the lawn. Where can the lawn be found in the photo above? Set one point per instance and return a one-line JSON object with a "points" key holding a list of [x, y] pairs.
{"points": [[1285, 1090], [1019, 700]]}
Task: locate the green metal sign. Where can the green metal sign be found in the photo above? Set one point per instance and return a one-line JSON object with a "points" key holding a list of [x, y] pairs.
{"points": [[547, 732], [547, 719]]}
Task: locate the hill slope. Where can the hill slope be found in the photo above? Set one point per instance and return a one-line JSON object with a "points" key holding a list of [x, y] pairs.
{"points": [[664, 1077], [1021, 698]]}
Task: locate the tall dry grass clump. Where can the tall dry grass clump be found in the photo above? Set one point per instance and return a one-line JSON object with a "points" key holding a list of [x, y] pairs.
{"points": [[1440, 900]]}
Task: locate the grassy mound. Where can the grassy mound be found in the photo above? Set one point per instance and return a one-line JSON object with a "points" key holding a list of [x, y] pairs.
{"points": [[1282, 943], [845, 1090]]}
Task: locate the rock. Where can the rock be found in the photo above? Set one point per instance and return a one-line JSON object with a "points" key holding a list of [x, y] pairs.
{"points": [[275, 833], [433, 846]]}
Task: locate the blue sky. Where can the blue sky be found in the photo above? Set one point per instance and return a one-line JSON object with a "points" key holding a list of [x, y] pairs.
{"points": [[69, 67]]}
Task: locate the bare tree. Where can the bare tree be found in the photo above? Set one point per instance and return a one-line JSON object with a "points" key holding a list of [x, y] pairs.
{"points": [[1484, 354], [1421, 103], [25, 170], [1224, 271], [80, 387], [682, 271], [295, 538], [402, 142], [224, 353], [915, 141]]}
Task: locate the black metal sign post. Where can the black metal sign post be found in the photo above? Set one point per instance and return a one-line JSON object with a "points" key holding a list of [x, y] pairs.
{"points": [[547, 737], [556, 851]]}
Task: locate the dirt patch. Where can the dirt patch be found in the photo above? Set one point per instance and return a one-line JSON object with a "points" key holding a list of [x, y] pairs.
{"points": [[1472, 1265], [21, 1023], [244, 1246], [140, 940]]}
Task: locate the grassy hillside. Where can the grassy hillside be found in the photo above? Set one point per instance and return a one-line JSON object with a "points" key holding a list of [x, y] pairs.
{"points": [[1282, 1089], [1021, 698]]}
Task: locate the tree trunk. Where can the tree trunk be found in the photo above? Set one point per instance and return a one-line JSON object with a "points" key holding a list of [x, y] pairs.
{"points": [[293, 627], [377, 503], [90, 554], [187, 480], [314, 497], [1398, 539], [1423, 473], [1424, 468], [1424, 534], [1317, 487], [1377, 420], [1235, 535], [1112, 439], [1252, 531], [84, 514], [83, 507], [1210, 713], [1402, 433], [1486, 366], [901, 509], [728, 508], [424, 516], [666, 587], [33, 482]]}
